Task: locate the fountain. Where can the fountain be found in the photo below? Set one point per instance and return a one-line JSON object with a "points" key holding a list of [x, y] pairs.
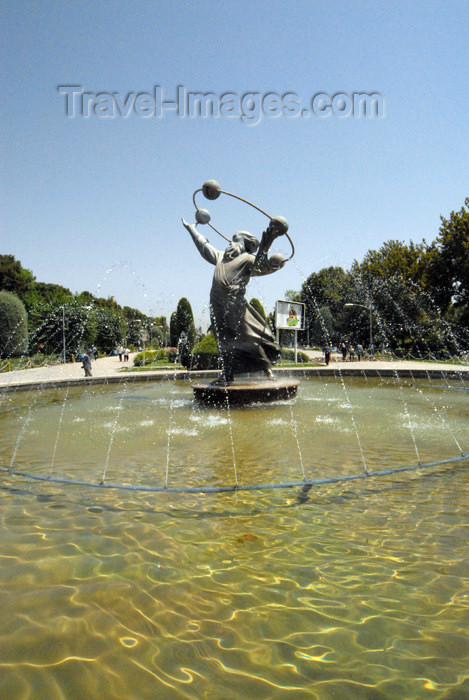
{"points": [[339, 430], [153, 546]]}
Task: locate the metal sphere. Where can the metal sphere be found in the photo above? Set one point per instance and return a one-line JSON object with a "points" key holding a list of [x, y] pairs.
{"points": [[202, 216], [281, 223], [277, 259], [211, 189]]}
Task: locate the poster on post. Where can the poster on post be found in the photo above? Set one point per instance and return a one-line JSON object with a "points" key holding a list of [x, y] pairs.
{"points": [[289, 315]]}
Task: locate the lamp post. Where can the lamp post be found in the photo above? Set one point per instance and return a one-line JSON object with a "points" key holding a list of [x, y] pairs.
{"points": [[63, 330], [363, 306]]}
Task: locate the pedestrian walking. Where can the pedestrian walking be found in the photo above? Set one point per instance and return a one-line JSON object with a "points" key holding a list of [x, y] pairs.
{"points": [[87, 365], [327, 353]]}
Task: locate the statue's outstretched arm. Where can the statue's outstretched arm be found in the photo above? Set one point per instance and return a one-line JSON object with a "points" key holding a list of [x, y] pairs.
{"points": [[263, 265], [207, 251]]}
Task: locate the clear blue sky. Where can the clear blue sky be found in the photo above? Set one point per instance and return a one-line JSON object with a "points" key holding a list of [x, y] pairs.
{"points": [[95, 203]]}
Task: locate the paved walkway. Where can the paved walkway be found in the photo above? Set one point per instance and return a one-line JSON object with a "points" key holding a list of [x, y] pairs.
{"points": [[104, 367], [111, 368]]}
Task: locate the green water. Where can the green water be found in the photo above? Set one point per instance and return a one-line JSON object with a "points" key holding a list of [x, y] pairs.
{"points": [[359, 590]]}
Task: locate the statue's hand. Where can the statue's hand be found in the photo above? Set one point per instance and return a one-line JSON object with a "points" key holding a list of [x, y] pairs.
{"points": [[277, 227], [268, 237], [185, 224]]}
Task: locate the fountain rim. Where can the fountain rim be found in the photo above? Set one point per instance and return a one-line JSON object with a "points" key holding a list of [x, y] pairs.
{"points": [[424, 372]]}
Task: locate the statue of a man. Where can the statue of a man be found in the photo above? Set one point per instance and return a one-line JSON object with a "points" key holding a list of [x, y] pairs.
{"points": [[245, 341]]}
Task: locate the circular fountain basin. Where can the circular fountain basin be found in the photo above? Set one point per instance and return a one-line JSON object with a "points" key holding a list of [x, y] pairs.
{"points": [[155, 436], [359, 588]]}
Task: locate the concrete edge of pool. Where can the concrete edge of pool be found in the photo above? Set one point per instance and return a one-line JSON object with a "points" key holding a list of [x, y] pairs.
{"points": [[384, 370]]}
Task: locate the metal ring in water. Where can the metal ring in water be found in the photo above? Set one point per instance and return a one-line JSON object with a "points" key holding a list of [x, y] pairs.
{"points": [[236, 487]]}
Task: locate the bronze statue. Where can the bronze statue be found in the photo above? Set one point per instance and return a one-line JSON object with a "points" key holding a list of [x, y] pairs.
{"points": [[245, 341]]}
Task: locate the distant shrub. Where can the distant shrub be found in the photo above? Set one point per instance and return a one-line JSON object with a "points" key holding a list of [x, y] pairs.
{"points": [[147, 358], [38, 360], [185, 353], [13, 326], [205, 353], [171, 354], [290, 355]]}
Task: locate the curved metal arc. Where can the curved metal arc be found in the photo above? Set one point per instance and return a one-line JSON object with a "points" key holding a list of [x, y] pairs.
{"points": [[246, 201], [254, 206], [292, 247], [220, 234], [211, 225]]}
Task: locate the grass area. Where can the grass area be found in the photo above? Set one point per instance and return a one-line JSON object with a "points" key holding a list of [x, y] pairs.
{"points": [[291, 363], [169, 366], [154, 366], [432, 360], [39, 360]]}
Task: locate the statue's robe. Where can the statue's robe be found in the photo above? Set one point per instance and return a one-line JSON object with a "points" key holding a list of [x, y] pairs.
{"points": [[244, 339]]}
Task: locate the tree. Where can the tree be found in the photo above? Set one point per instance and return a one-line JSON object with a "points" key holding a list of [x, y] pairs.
{"points": [[110, 328], [327, 289], [13, 325], [14, 278], [158, 329], [173, 335], [394, 259], [291, 295], [182, 321], [322, 328], [49, 324], [53, 294], [256, 304], [448, 270], [135, 321], [161, 322], [419, 292]]}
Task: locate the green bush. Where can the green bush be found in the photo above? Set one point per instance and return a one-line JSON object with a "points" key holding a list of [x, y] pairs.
{"points": [[148, 357], [38, 360], [290, 355], [171, 355], [13, 326], [205, 353]]}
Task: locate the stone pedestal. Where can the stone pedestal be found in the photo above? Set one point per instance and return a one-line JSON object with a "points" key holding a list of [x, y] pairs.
{"points": [[241, 393]]}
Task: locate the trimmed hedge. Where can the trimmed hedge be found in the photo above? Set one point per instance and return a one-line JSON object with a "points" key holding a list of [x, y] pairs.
{"points": [[13, 326], [205, 353], [149, 357], [290, 355]]}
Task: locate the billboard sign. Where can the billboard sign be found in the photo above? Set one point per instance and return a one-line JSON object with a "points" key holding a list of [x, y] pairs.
{"points": [[289, 315]]}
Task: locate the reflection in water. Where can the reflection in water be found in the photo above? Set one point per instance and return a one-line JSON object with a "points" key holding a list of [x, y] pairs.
{"points": [[351, 591]]}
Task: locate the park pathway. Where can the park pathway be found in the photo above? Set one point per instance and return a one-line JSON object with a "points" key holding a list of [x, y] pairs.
{"points": [[110, 368]]}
